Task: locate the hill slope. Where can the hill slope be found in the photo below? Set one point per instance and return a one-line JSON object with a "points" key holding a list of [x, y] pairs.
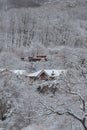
{"points": [[54, 23]]}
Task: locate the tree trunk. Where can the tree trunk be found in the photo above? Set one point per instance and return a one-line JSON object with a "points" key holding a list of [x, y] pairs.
{"points": [[84, 124]]}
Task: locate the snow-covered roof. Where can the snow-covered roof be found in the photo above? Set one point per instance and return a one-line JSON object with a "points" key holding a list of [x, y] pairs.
{"points": [[50, 73], [54, 73], [36, 74], [2, 69], [19, 72]]}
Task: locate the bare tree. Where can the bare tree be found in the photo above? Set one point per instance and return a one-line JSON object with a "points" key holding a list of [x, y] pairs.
{"points": [[83, 119], [4, 109], [68, 110]]}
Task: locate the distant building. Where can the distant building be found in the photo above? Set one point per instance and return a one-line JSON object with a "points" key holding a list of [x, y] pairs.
{"points": [[45, 74], [38, 58], [34, 59], [22, 58], [31, 59], [42, 57]]}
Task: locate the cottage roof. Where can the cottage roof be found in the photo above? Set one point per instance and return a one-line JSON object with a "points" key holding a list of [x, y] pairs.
{"points": [[36, 74], [2, 69], [19, 72], [50, 73], [54, 73]]}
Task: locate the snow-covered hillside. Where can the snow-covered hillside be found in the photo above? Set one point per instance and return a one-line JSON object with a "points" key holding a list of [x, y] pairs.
{"points": [[56, 29]]}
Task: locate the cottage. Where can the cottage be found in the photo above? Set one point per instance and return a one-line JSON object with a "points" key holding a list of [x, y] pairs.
{"points": [[42, 57], [37, 58], [45, 74], [22, 58], [34, 59]]}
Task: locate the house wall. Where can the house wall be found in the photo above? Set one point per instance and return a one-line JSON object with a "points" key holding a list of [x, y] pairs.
{"points": [[43, 76]]}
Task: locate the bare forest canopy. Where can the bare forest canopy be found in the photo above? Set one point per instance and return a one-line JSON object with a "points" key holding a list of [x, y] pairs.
{"points": [[21, 3], [55, 23]]}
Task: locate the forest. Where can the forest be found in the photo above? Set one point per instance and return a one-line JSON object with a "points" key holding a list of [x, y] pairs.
{"points": [[58, 30]]}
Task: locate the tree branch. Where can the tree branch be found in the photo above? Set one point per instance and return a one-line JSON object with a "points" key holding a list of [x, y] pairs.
{"points": [[82, 99], [73, 115]]}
